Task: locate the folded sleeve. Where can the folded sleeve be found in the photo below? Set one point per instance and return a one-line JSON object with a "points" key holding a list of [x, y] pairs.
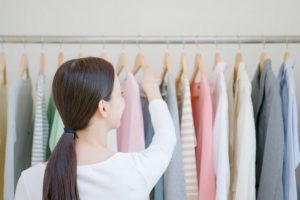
{"points": [[152, 162]]}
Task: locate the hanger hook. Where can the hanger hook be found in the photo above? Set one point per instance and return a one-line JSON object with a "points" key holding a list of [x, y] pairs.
{"points": [[103, 43], [167, 43], [216, 44], [2, 44], [239, 42], [80, 45], [183, 43], [122, 44], [42, 43], [287, 43], [138, 43], [24, 45], [197, 42], [264, 42], [60, 44]]}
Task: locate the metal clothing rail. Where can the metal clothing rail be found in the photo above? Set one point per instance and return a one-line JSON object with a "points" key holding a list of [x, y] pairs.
{"points": [[146, 39]]}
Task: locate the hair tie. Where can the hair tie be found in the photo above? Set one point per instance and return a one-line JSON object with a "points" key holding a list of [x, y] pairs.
{"points": [[69, 130]]}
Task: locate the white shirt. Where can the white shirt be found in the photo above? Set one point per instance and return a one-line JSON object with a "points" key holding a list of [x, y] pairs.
{"points": [[220, 130], [126, 176], [242, 139]]}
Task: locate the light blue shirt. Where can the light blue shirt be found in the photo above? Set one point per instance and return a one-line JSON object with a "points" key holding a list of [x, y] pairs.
{"points": [[19, 134], [290, 118]]}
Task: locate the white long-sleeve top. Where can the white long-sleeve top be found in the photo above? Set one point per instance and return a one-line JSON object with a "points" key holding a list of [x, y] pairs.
{"points": [[242, 138], [220, 131], [126, 176]]}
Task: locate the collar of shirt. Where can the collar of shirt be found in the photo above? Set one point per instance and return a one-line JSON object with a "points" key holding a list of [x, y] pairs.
{"points": [[215, 76], [288, 76], [290, 63], [240, 71], [220, 67], [286, 71], [242, 80], [259, 85]]}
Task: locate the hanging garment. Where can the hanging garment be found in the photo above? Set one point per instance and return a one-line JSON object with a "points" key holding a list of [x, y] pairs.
{"points": [[130, 134], [50, 115], [58, 126], [204, 135], [157, 192], [220, 131], [3, 132], [19, 134], [242, 142], [57, 130], [51, 111], [41, 129], [188, 138], [126, 176], [174, 180], [269, 133], [291, 157]]}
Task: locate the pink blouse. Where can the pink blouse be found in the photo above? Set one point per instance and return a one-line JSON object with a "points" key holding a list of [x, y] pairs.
{"points": [[202, 110], [130, 134]]}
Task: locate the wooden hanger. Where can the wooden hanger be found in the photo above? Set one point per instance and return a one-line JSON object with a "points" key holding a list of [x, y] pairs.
{"points": [[286, 56], [122, 63], [263, 57], [104, 56], [42, 63], [80, 55], [2, 62], [238, 60], [166, 66], [198, 67], [3, 67], [217, 58], [140, 62], [183, 68], [23, 70], [60, 58]]}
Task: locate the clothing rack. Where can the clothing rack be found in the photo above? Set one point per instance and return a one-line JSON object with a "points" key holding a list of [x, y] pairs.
{"points": [[147, 39]]}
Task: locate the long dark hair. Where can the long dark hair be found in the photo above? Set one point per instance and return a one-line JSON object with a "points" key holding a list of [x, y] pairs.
{"points": [[77, 88]]}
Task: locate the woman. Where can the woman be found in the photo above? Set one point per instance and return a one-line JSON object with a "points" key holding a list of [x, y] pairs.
{"points": [[88, 96]]}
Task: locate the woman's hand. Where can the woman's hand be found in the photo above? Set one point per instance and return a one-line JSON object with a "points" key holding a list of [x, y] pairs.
{"points": [[150, 83]]}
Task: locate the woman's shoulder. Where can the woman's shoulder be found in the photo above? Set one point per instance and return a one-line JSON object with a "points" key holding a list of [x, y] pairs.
{"points": [[117, 157], [33, 175], [30, 183], [34, 170]]}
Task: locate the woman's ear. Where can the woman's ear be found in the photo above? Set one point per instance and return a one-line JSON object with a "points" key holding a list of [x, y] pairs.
{"points": [[103, 107]]}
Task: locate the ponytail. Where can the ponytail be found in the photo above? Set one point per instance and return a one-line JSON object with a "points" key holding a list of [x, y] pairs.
{"points": [[60, 178], [77, 82]]}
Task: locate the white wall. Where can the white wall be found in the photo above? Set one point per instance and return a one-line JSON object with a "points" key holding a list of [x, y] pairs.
{"points": [[119, 17], [136, 17]]}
